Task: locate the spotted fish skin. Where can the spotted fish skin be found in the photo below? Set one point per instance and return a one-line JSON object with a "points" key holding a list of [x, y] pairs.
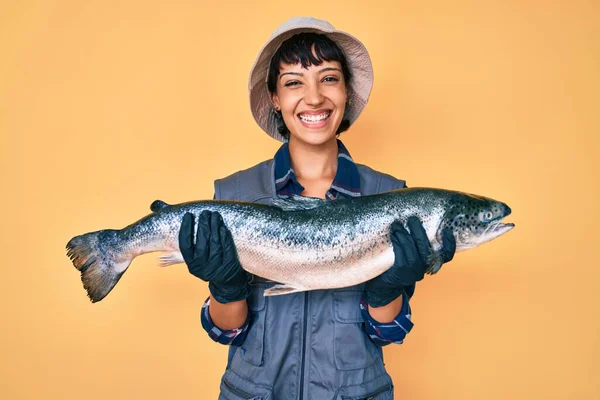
{"points": [[302, 243]]}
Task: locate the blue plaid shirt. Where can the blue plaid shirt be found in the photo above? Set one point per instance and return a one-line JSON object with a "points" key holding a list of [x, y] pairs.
{"points": [[345, 184]]}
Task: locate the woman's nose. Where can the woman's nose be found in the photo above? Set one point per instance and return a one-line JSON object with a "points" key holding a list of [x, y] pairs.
{"points": [[313, 96]]}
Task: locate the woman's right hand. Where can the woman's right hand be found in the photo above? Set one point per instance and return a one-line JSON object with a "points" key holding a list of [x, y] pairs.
{"points": [[213, 257]]}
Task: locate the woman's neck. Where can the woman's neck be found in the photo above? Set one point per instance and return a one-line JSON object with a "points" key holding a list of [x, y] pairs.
{"points": [[314, 166], [314, 162]]}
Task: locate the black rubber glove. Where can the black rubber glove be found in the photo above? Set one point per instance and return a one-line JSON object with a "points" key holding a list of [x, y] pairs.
{"points": [[213, 258], [413, 255]]}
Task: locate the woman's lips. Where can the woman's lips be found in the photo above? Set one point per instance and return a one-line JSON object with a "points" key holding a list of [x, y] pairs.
{"points": [[315, 125]]}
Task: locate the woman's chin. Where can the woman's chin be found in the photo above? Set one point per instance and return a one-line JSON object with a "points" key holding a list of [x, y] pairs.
{"points": [[314, 138]]}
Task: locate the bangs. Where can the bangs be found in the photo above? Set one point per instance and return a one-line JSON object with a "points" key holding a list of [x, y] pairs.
{"points": [[299, 51]]}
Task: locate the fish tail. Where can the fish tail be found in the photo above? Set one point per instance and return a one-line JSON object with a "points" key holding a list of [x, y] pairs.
{"points": [[96, 256]]}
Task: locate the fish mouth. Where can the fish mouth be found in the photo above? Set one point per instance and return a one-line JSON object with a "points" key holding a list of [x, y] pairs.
{"points": [[494, 230], [498, 228], [502, 227]]}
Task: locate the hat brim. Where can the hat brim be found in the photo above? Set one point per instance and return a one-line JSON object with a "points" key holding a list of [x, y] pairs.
{"points": [[359, 89]]}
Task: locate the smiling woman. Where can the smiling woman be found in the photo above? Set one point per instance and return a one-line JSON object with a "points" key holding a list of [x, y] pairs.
{"points": [[309, 83]]}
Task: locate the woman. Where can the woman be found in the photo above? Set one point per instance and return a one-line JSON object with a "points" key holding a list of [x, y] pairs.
{"points": [[309, 84]]}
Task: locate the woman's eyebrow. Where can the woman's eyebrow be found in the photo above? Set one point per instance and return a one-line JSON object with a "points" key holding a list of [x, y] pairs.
{"points": [[291, 73], [321, 70], [330, 69]]}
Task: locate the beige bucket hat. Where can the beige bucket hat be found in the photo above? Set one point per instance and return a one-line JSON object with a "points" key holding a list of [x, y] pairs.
{"points": [[359, 64]]}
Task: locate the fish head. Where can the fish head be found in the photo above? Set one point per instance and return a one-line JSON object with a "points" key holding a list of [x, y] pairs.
{"points": [[474, 220]]}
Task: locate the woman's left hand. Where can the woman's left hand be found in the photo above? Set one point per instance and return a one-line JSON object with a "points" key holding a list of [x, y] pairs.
{"points": [[413, 253]]}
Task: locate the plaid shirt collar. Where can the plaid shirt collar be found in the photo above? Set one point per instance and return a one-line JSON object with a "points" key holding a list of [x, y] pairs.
{"points": [[345, 184]]}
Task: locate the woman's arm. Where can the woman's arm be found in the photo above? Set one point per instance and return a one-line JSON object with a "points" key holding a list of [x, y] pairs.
{"points": [[230, 315], [386, 313]]}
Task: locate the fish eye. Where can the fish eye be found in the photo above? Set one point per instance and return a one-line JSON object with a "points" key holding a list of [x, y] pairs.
{"points": [[486, 216]]}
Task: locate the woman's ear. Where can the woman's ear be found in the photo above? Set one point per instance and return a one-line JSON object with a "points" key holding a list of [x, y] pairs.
{"points": [[275, 101]]}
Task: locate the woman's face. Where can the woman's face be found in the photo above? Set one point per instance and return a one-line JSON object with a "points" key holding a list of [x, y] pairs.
{"points": [[312, 101]]}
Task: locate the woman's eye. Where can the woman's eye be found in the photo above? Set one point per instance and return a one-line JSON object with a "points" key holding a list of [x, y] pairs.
{"points": [[331, 79], [291, 83]]}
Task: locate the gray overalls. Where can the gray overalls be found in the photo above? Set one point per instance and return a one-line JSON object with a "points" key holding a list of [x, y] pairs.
{"points": [[308, 345]]}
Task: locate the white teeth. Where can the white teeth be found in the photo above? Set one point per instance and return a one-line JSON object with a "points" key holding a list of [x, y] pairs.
{"points": [[315, 118]]}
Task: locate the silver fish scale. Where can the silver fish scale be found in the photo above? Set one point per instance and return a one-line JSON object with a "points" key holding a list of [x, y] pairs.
{"points": [[334, 245]]}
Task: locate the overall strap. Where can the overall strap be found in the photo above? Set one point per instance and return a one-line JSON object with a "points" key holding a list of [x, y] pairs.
{"points": [[255, 184], [373, 182]]}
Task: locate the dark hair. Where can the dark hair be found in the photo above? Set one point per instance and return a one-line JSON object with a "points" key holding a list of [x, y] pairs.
{"points": [[297, 49]]}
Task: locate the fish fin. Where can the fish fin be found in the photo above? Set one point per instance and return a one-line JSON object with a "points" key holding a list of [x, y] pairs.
{"points": [[296, 202], [282, 289], [158, 205], [100, 268], [435, 263], [170, 259]]}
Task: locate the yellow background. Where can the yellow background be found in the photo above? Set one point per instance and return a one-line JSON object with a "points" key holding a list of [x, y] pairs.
{"points": [[106, 106]]}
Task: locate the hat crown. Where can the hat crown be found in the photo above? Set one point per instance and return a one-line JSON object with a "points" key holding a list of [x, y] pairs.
{"points": [[302, 22]]}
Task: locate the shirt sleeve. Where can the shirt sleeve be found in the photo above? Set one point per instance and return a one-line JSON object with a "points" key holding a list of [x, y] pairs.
{"points": [[234, 337], [389, 332]]}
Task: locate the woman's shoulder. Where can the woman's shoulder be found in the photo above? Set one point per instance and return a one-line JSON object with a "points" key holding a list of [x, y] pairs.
{"points": [[248, 184], [260, 168], [374, 181]]}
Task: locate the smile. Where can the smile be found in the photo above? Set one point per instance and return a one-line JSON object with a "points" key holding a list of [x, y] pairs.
{"points": [[314, 119]]}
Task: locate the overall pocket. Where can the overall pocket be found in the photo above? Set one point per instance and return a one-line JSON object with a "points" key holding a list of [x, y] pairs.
{"points": [[234, 387], [378, 389], [351, 347], [252, 349]]}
